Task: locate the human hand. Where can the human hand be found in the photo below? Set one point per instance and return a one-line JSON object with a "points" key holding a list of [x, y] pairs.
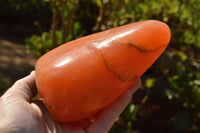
{"points": [[20, 114]]}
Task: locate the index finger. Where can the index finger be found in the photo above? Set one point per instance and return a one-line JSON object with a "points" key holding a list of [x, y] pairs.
{"points": [[109, 115]]}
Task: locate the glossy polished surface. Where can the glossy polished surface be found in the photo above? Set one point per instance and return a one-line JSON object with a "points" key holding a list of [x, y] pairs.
{"points": [[83, 76]]}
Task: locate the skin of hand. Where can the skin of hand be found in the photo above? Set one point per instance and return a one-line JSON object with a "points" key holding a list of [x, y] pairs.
{"points": [[20, 114]]}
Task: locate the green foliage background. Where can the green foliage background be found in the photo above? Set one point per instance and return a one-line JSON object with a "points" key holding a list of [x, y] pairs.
{"points": [[170, 96]]}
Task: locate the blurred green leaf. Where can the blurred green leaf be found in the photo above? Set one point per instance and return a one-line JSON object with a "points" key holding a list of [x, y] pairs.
{"points": [[59, 37], [197, 75], [181, 55], [77, 28], [189, 37], [197, 43], [174, 81], [150, 82], [98, 2]]}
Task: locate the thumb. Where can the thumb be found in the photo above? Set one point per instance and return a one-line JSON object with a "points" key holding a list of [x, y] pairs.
{"points": [[24, 88]]}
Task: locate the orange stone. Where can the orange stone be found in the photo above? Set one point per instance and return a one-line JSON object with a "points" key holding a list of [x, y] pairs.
{"points": [[83, 76]]}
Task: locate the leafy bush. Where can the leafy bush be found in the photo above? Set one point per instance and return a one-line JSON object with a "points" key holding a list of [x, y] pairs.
{"points": [[39, 45]]}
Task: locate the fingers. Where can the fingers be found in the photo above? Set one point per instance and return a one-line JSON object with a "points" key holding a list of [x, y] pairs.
{"points": [[45, 114], [51, 125], [108, 116], [24, 88]]}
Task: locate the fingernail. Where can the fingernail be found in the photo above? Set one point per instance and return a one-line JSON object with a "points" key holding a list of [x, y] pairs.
{"points": [[32, 72], [136, 85]]}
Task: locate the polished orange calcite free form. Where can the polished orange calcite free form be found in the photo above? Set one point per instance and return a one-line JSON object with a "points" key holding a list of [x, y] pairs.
{"points": [[83, 76]]}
